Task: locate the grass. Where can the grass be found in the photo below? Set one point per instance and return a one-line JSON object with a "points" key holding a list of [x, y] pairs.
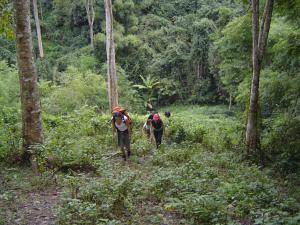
{"points": [[197, 176]]}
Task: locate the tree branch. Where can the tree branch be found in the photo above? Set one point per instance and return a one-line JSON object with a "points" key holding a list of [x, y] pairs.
{"points": [[265, 28]]}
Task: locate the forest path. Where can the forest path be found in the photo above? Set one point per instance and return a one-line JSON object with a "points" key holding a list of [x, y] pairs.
{"points": [[140, 164], [38, 209], [24, 200]]}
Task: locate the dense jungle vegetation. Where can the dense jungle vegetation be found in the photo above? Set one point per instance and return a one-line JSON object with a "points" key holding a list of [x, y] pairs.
{"points": [[193, 58]]}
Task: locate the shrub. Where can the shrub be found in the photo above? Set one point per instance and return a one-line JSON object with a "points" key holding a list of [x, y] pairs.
{"points": [[282, 142], [78, 89], [90, 201], [10, 135]]}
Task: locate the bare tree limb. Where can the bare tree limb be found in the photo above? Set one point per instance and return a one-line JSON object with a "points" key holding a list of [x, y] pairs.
{"points": [[265, 28]]}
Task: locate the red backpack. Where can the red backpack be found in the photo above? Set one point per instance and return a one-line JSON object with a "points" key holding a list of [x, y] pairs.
{"points": [[123, 111]]}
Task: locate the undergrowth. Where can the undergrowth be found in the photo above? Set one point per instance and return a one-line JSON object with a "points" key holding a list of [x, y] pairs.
{"points": [[197, 176]]}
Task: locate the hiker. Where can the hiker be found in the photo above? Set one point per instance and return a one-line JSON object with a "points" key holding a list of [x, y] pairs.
{"points": [[147, 129], [150, 117], [121, 123], [168, 120], [157, 128], [167, 114]]}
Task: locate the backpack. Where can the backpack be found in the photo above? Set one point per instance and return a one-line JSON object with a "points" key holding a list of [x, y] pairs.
{"points": [[123, 111]]}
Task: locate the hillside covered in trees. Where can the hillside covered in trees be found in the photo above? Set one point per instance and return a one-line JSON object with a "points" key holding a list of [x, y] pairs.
{"points": [[228, 71]]}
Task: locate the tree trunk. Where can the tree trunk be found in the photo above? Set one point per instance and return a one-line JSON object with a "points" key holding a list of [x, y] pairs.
{"points": [[38, 28], [89, 6], [111, 63], [259, 43], [198, 69], [230, 102], [30, 101]]}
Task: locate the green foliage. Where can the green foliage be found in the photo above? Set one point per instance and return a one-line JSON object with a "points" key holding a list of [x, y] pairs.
{"points": [[284, 46], [190, 52], [234, 50], [148, 86], [202, 179], [97, 202], [176, 133], [7, 51], [281, 142], [10, 123], [73, 141], [9, 85], [10, 134], [78, 89], [6, 27], [214, 196], [214, 128]]}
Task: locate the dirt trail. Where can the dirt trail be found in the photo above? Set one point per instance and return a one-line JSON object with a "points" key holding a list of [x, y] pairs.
{"points": [[38, 208], [33, 208], [23, 202]]}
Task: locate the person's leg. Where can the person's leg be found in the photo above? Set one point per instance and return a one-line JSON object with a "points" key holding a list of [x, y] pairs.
{"points": [[128, 145], [128, 151], [159, 137], [122, 145], [156, 136]]}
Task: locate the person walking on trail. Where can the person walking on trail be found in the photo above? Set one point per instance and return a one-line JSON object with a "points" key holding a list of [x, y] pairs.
{"points": [[147, 129], [150, 117], [121, 124], [157, 127]]}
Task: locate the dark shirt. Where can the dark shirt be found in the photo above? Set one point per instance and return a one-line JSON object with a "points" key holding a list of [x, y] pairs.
{"points": [[157, 125]]}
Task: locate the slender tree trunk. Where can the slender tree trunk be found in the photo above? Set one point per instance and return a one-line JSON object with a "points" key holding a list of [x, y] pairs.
{"points": [[30, 101], [265, 28], [89, 6], [230, 102], [92, 35], [251, 132], [38, 28], [198, 70], [259, 43], [111, 63]]}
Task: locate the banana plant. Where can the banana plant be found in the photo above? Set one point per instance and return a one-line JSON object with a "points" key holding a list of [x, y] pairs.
{"points": [[149, 85]]}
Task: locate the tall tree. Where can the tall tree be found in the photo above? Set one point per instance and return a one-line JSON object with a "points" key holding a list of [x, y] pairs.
{"points": [[38, 28], [111, 62], [259, 44], [89, 6], [30, 101]]}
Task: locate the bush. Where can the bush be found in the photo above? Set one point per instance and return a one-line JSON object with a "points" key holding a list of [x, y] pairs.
{"points": [[176, 133], [78, 139], [79, 89], [9, 86], [10, 135], [90, 201], [281, 142]]}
